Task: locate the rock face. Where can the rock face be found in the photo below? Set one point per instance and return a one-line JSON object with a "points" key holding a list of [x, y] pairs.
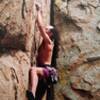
{"points": [[77, 55], [17, 20], [14, 68], [78, 59], [19, 37]]}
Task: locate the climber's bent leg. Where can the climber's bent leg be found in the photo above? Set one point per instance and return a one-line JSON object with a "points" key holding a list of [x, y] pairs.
{"points": [[34, 73]]}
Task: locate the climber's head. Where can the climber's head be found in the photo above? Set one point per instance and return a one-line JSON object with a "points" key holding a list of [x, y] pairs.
{"points": [[49, 29]]}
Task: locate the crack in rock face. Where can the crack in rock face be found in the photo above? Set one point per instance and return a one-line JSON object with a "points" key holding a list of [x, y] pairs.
{"points": [[87, 79]]}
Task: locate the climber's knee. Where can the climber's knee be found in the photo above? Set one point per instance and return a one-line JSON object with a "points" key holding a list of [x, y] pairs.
{"points": [[36, 70]]}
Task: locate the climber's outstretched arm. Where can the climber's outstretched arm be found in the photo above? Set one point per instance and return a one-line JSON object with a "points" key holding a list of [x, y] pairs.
{"points": [[41, 26]]}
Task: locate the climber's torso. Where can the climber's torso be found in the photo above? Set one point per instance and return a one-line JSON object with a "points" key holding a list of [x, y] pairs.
{"points": [[45, 53]]}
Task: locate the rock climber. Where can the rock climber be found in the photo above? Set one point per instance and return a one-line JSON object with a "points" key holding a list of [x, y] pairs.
{"points": [[44, 57]]}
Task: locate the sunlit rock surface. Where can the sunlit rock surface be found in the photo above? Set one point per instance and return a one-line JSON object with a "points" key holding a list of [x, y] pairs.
{"points": [[78, 24], [19, 41]]}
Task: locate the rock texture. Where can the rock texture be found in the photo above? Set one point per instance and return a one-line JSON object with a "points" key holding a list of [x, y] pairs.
{"points": [[17, 22], [14, 68], [78, 59], [19, 40], [77, 55]]}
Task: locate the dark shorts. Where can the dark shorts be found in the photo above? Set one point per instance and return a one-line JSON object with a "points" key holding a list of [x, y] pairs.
{"points": [[50, 73]]}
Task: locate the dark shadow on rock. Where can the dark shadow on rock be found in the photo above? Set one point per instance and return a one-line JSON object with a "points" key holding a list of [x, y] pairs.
{"points": [[56, 48], [83, 93], [3, 31], [13, 42], [66, 98]]}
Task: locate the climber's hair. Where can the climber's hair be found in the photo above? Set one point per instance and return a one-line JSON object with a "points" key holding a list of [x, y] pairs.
{"points": [[54, 32]]}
